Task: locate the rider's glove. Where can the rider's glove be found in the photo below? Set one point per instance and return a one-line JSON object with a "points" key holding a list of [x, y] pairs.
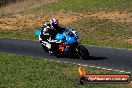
{"points": [[64, 39]]}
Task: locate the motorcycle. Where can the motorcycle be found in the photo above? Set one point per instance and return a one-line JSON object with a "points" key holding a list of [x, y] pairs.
{"points": [[66, 44]]}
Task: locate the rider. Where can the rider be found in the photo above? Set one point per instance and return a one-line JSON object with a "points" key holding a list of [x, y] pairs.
{"points": [[45, 36], [55, 28], [49, 31], [45, 32]]}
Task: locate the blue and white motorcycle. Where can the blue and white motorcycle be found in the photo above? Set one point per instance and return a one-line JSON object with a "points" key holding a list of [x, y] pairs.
{"points": [[66, 44]]}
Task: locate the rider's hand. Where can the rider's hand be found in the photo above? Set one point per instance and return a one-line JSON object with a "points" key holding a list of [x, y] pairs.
{"points": [[64, 39]]}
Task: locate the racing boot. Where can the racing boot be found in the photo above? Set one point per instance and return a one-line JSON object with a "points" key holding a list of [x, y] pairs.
{"points": [[50, 53]]}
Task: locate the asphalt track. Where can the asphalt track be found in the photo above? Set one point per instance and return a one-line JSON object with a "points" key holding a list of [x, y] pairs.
{"points": [[120, 59]]}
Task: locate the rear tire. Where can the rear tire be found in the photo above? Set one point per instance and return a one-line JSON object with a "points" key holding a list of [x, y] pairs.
{"points": [[81, 52]]}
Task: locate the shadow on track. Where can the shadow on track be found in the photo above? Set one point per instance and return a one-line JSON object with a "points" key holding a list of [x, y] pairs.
{"points": [[74, 57], [96, 58], [89, 58]]}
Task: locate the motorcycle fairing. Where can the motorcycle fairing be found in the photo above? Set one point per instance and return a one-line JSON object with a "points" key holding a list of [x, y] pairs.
{"points": [[38, 32]]}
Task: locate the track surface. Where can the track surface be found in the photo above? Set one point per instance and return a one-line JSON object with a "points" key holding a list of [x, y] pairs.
{"points": [[120, 59]]}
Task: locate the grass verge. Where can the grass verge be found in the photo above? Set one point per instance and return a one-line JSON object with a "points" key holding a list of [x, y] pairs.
{"points": [[31, 72], [21, 6], [104, 32], [87, 6], [19, 34]]}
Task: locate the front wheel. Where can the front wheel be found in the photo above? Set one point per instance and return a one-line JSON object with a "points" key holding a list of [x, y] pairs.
{"points": [[81, 52]]}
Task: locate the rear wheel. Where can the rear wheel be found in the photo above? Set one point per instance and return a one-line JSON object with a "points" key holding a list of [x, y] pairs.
{"points": [[81, 52], [55, 50]]}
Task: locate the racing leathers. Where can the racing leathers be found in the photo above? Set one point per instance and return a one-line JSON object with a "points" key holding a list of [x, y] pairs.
{"points": [[48, 34], [57, 29], [44, 38]]}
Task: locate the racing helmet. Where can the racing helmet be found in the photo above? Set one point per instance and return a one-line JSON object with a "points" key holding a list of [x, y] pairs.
{"points": [[53, 23]]}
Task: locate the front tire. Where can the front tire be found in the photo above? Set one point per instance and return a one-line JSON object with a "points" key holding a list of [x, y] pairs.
{"points": [[81, 52]]}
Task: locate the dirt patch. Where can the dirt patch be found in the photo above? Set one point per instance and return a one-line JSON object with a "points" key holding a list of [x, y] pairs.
{"points": [[129, 41], [19, 21], [66, 18], [31, 21], [114, 16]]}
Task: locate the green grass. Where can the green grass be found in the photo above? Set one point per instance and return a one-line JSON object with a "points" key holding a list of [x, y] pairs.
{"points": [[93, 31], [104, 32], [20, 6], [87, 6], [19, 34], [31, 72]]}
